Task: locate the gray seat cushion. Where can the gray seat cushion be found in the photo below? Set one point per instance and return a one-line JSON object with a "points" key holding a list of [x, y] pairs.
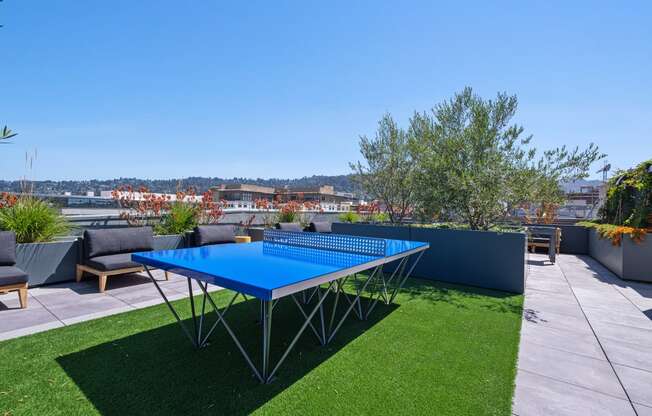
{"points": [[112, 262], [10, 275], [289, 226], [117, 240], [7, 248], [320, 227], [214, 234]]}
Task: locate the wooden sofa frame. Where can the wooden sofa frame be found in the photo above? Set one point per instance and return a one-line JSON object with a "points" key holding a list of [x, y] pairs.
{"points": [[22, 292], [103, 274]]}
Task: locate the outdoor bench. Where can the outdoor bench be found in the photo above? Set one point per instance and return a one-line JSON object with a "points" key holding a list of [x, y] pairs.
{"points": [[108, 252]]}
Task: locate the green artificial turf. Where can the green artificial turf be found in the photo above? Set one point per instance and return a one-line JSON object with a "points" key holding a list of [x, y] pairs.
{"points": [[441, 349]]}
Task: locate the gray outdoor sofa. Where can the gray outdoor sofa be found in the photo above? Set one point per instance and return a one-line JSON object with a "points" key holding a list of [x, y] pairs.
{"points": [[108, 252], [11, 277], [320, 227], [214, 234]]}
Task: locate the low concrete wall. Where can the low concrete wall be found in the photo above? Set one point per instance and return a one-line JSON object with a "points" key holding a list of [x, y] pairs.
{"points": [[574, 239], [83, 222], [629, 260], [606, 253], [47, 263], [476, 258]]}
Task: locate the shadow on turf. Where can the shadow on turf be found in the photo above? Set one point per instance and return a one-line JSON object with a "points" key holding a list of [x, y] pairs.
{"points": [[159, 372], [457, 295]]}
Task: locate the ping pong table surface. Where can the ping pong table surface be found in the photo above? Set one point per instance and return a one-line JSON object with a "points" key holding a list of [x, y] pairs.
{"points": [[270, 270]]}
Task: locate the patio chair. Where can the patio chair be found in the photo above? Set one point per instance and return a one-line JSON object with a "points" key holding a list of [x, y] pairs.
{"points": [[320, 227], [289, 226], [11, 277], [547, 237], [214, 234], [108, 252]]}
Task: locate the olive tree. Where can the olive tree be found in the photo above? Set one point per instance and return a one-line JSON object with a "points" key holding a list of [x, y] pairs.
{"points": [[543, 179], [473, 164], [387, 172]]}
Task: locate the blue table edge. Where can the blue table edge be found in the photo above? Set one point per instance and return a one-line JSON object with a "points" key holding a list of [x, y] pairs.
{"points": [[275, 293]]}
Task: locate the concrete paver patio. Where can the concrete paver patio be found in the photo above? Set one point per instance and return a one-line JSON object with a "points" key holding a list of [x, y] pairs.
{"points": [[586, 341], [68, 303]]}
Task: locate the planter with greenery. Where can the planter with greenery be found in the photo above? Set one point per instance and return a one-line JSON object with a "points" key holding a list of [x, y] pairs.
{"points": [[172, 220], [44, 250], [621, 239]]}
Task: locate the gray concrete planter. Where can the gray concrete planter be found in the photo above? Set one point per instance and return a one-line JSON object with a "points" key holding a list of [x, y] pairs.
{"points": [[629, 260], [169, 242], [47, 263], [476, 258]]}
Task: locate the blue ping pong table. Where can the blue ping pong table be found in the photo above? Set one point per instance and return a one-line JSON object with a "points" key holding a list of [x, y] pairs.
{"points": [[300, 266]]}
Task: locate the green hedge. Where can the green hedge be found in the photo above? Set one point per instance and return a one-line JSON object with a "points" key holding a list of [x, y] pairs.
{"points": [[629, 198]]}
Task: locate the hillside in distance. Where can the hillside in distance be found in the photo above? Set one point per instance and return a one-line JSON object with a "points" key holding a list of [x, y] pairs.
{"points": [[342, 183]]}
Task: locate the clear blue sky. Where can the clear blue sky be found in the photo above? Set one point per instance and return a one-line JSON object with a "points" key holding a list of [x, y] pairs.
{"points": [[163, 89]]}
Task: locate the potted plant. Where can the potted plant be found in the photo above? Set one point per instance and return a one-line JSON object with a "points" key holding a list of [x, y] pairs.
{"points": [[44, 250], [620, 240], [244, 229]]}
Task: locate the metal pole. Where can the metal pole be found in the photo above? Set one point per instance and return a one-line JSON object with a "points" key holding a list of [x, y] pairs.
{"points": [[321, 316], [224, 311], [396, 290], [357, 299], [167, 302], [234, 338], [305, 316], [192, 308], [303, 327], [340, 283], [267, 333], [203, 312]]}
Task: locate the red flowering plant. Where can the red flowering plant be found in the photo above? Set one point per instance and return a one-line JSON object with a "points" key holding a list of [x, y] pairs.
{"points": [[309, 210], [367, 211], [210, 211], [166, 215], [246, 224], [140, 207], [7, 200], [289, 211], [371, 212], [268, 211]]}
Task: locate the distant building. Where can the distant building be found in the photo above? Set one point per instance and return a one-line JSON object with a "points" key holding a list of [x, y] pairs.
{"points": [[242, 196], [582, 202], [328, 199]]}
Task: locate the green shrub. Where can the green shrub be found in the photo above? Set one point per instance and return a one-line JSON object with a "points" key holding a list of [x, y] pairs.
{"points": [[349, 216], [499, 228], [288, 216], [380, 217], [33, 221], [629, 198], [180, 218]]}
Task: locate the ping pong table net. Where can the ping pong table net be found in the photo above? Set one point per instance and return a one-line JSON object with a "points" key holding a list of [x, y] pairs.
{"points": [[369, 246]]}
